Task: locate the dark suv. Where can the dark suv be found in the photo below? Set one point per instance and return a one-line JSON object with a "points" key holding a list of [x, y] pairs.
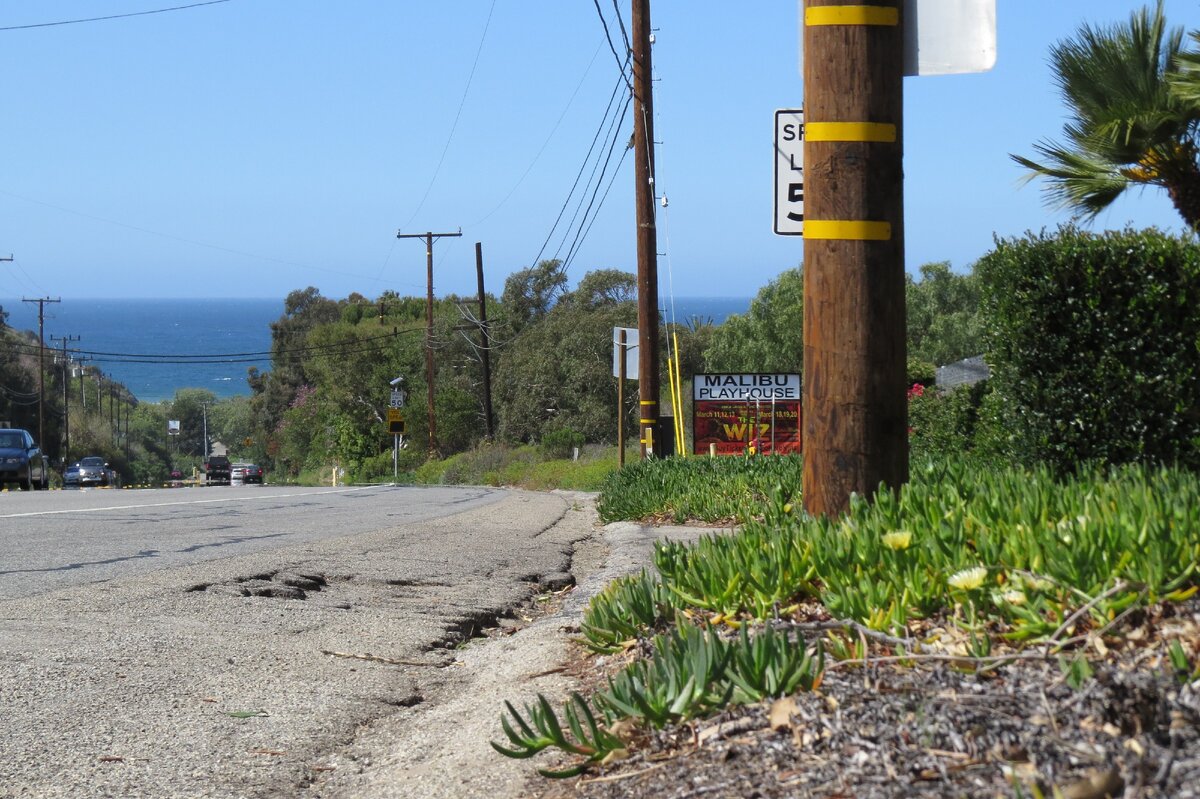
{"points": [[22, 461], [217, 469]]}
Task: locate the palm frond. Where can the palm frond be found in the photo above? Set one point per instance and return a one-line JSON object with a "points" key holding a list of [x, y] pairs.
{"points": [[1076, 180], [1129, 125]]}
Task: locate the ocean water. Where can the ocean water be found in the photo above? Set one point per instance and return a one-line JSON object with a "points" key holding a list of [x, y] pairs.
{"points": [[206, 343], [210, 343]]}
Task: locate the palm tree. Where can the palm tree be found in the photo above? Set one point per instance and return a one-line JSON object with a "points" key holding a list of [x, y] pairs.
{"points": [[1135, 117]]}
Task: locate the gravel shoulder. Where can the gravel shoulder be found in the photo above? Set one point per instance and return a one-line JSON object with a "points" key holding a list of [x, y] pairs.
{"points": [[440, 750]]}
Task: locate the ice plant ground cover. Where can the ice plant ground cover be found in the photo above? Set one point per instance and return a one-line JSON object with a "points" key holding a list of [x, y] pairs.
{"points": [[968, 569]]}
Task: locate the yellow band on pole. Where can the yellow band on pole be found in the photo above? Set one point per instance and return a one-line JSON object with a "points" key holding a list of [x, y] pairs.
{"points": [[851, 15], [649, 421], [649, 402], [847, 230], [850, 131]]}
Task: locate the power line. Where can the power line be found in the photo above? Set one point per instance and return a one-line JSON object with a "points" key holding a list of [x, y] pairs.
{"points": [[347, 347], [611, 46], [574, 251], [604, 121], [621, 21], [112, 16], [545, 144], [466, 89], [580, 232], [196, 243]]}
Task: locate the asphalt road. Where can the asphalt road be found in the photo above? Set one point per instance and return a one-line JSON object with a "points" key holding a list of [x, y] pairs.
{"points": [[149, 646], [52, 540]]}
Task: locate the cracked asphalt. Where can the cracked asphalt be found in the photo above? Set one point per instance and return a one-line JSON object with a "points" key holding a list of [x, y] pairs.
{"points": [[200, 679]]}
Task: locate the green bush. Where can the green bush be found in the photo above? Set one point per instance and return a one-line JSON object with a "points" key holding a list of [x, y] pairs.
{"points": [[1092, 340], [919, 371], [497, 464], [943, 423], [558, 444], [708, 489]]}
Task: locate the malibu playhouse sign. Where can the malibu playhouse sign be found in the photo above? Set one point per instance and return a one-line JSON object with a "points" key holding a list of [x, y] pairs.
{"points": [[735, 414]]}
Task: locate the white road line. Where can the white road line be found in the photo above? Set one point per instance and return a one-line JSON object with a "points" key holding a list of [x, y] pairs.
{"points": [[187, 502]]}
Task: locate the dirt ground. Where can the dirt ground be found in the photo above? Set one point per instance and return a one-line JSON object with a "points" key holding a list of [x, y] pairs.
{"points": [[932, 729]]}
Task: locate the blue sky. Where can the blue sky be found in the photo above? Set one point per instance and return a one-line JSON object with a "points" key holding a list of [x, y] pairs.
{"points": [[251, 147]]}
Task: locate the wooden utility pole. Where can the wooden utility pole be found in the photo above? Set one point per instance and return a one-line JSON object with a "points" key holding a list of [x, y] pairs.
{"points": [[41, 303], [66, 382], [485, 341], [429, 238], [855, 414], [647, 237]]}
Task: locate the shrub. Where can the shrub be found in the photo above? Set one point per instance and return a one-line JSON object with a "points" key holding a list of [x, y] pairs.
{"points": [[558, 444], [1092, 339], [919, 371], [943, 423], [708, 489]]}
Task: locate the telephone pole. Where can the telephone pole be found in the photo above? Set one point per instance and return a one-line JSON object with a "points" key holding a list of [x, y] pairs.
{"points": [[647, 237], [855, 414], [66, 382], [41, 303], [485, 341], [429, 239]]}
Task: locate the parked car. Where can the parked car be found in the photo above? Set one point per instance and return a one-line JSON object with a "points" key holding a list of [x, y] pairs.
{"points": [[92, 471], [252, 473], [71, 476], [237, 472], [22, 461]]}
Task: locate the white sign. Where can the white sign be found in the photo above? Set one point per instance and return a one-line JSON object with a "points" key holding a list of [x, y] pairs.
{"points": [[742, 387], [942, 37], [631, 355], [172, 427], [949, 37], [789, 172], [397, 399]]}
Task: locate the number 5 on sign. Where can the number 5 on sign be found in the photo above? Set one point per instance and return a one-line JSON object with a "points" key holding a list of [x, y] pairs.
{"points": [[789, 172]]}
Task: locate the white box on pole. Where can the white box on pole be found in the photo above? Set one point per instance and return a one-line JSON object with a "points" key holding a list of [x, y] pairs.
{"points": [[941, 37]]}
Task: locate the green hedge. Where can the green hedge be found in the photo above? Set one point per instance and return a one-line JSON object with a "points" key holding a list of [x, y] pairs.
{"points": [[1092, 340], [725, 489]]}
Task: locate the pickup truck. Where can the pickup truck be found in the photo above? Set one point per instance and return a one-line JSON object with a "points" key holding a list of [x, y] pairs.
{"points": [[217, 470]]}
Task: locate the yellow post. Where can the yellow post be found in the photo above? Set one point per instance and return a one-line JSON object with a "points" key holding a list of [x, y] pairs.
{"points": [[680, 443]]}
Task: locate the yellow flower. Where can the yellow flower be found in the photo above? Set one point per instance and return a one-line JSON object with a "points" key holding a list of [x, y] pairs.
{"points": [[1012, 597], [897, 539], [968, 579]]}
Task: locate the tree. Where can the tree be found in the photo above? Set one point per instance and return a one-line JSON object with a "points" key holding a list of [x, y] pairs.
{"points": [[530, 293], [303, 310], [190, 408], [605, 287], [944, 324], [557, 375], [1134, 117], [770, 337]]}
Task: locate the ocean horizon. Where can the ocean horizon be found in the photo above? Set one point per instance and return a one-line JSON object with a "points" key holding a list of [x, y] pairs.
{"points": [[216, 340]]}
